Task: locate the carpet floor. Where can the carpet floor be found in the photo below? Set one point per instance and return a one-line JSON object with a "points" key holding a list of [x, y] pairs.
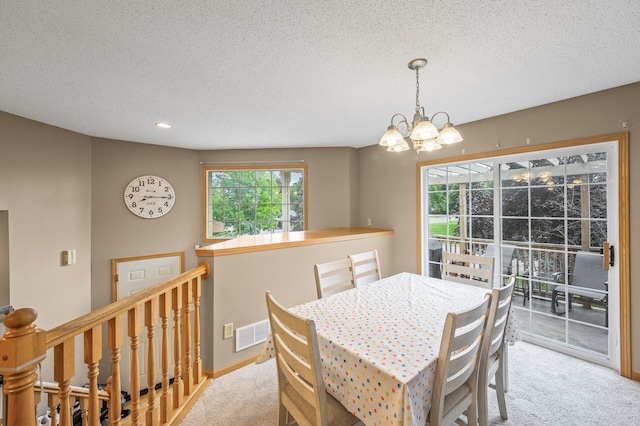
{"points": [[546, 388]]}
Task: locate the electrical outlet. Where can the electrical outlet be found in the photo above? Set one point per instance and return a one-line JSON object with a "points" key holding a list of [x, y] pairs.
{"points": [[369, 221], [228, 331]]}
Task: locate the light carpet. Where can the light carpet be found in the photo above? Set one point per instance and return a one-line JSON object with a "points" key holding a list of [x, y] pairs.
{"points": [[546, 388]]}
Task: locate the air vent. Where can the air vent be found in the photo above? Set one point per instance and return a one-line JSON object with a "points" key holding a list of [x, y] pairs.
{"points": [[251, 334]]}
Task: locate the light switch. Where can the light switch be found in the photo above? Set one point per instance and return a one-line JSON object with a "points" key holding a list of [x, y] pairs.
{"points": [[68, 257]]}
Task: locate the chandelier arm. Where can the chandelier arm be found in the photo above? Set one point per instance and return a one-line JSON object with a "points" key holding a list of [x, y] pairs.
{"points": [[441, 112], [404, 120]]}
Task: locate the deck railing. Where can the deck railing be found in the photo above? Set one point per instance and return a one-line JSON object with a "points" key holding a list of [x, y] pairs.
{"points": [[537, 267], [24, 346]]}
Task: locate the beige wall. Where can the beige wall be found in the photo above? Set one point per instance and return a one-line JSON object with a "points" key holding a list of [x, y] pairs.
{"points": [[4, 258], [45, 185], [116, 232], [330, 185], [592, 115], [240, 282]]}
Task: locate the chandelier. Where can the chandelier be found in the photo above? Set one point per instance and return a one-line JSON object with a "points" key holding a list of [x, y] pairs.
{"points": [[422, 133]]}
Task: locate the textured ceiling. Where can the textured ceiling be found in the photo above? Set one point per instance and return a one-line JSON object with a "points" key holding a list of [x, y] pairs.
{"points": [[259, 74]]}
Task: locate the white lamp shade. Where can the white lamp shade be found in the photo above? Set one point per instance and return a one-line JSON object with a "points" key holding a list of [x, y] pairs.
{"points": [[430, 145], [449, 135], [424, 130], [391, 137], [402, 146]]}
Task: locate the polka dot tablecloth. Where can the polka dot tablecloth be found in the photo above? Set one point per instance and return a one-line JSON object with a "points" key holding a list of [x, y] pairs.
{"points": [[379, 343]]}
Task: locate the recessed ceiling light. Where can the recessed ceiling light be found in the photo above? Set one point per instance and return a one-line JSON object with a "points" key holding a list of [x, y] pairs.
{"points": [[164, 125]]}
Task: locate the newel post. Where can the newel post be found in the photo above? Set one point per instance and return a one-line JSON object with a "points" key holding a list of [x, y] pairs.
{"points": [[22, 347]]}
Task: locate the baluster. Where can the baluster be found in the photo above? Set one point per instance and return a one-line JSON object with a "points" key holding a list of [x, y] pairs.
{"points": [[150, 319], [52, 403], [165, 398], [197, 363], [63, 371], [178, 385], [115, 340], [92, 356], [83, 411], [134, 328], [186, 333]]}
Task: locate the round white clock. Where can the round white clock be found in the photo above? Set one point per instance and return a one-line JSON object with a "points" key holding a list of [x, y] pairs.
{"points": [[149, 196]]}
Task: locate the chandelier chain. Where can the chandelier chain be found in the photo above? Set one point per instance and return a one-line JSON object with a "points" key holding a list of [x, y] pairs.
{"points": [[417, 91]]}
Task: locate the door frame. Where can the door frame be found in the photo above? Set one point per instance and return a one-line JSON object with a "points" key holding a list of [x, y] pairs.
{"points": [[623, 252], [116, 262]]}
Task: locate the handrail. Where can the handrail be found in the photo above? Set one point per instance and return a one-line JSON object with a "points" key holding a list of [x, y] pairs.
{"points": [[24, 345], [59, 334]]}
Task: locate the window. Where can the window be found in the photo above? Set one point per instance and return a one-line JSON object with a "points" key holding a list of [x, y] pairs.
{"points": [[254, 200]]}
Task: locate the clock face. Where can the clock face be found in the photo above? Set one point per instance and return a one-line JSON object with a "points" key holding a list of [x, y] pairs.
{"points": [[149, 196]]}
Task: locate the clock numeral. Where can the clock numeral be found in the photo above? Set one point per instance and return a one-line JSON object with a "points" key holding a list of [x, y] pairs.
{"points": [[130, 196], [150, 212], [151, 181], [159, 210], [135, 189], [140, 183], [141, 210], [166, 204], [134, 204]]}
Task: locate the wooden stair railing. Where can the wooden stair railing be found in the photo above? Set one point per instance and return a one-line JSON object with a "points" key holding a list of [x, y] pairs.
{"points": [[24, 346], [52, 390]]}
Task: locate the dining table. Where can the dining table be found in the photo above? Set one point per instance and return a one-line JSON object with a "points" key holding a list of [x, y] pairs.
{"points": [[379, 343]]}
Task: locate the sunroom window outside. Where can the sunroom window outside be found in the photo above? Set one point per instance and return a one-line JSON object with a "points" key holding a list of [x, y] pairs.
{"points": [[460, 210], [539, 216], [254, 201]]}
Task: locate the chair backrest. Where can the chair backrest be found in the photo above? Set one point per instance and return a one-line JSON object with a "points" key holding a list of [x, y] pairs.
{"points": [[507, 257], [588, 271], [365, 267], [458, 363], [468, 269], [300, 385], [497, 320], [333, 277]]}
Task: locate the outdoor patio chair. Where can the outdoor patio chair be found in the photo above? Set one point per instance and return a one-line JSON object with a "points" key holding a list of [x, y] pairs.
{"points": [[588, 279]]}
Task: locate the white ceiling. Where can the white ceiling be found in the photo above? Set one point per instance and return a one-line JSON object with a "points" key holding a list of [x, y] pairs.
{"points": [[287, 73]]}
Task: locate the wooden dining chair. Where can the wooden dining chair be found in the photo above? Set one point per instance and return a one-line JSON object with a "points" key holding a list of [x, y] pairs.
{"points": [[301, 390], [468, 269], [455, 388], [492, 360], [365, 267], [333, 277]]}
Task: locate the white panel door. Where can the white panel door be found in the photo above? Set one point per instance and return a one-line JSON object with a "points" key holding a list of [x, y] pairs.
{"points": [[135, 276]]}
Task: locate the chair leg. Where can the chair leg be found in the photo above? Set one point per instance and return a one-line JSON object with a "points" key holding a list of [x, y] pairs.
{"points": [[283, 416], [472, 411], [483, 404], [500, 391]]}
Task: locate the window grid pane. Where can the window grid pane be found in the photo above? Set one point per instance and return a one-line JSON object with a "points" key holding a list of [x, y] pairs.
{"points": [[249, 202]]}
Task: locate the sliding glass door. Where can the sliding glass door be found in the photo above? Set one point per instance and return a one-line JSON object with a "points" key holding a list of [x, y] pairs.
{"points": [[546, 217]]}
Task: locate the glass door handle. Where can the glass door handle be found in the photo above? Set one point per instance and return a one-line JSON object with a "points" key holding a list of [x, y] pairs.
{"points": [[609, 256]]}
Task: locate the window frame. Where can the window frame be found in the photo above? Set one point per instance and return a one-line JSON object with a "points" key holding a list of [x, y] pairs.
{"points": [[241, 168]]}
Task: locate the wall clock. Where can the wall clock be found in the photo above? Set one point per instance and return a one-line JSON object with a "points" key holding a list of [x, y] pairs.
{"points": [[149, 196]]}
